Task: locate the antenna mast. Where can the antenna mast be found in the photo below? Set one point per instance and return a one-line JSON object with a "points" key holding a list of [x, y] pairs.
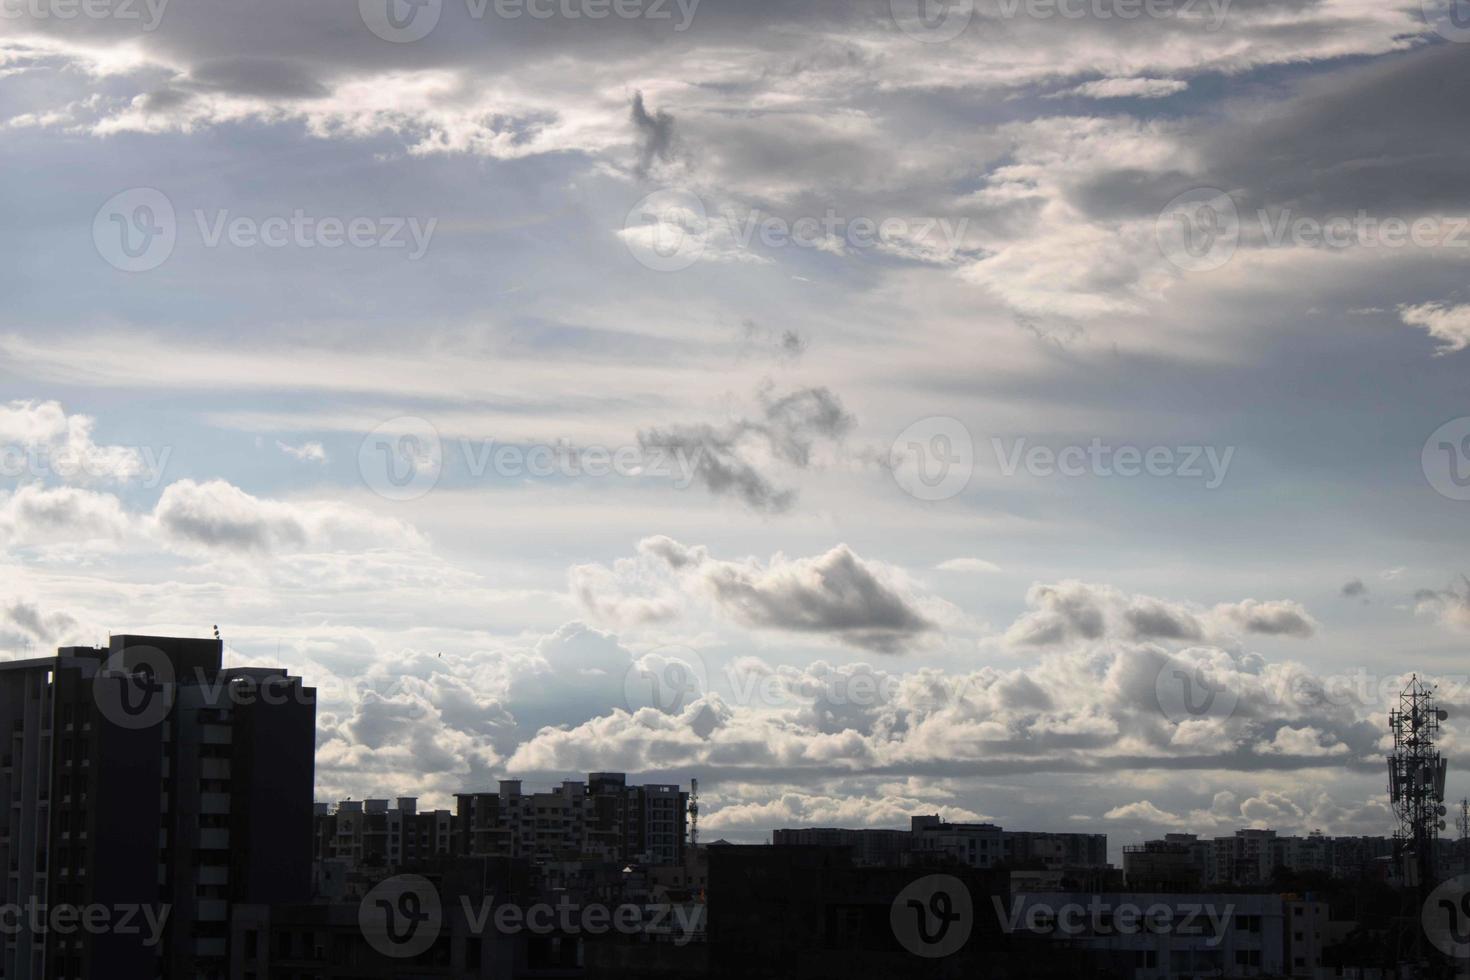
{"points": [[693, 814], [1462, 823], [1416, 775]]}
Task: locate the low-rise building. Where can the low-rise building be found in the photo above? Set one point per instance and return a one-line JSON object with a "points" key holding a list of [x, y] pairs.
{"points": [[1161, 936], [931, 839]]}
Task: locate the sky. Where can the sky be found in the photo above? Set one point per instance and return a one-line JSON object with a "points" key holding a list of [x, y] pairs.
{"points": [[1050, 412]]}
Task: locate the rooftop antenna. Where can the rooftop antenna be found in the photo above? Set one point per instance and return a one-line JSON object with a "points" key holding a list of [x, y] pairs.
{"points": [[1416, 776], [693, 814], [1462, 823]]}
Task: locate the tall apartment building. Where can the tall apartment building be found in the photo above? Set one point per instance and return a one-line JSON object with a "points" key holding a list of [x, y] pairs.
{"points": [[871, 848], [601, 819], [1248, 857], [380, 834], [1178, 863], [1208, 935], [145, 774], [986, 845], [1307, 924], [978, 845]]}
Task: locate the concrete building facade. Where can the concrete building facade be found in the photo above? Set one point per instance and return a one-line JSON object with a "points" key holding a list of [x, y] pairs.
{"points": [[147, 776]]}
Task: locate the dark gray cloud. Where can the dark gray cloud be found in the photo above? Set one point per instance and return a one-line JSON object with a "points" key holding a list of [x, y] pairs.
{"points": [[1384, 137], [1451, 605], [249, 75], [1353, 588], [1380, 137], [731, 457], [30, 619], [23, 626], [1278, 617], [782, 345], [836, 594], [722, 468], [1062, 612], [1072, 612], [671, 552], [165, 100], [795, 422], [655, 134], [217, 515], [1152, 619]]}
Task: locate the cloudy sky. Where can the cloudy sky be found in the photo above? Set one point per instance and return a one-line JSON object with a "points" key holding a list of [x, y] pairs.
{"points": [[870, 409]]}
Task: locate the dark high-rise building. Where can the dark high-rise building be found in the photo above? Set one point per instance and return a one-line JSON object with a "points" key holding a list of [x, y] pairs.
{"points": [[603, 818], [151, 789], [369, 834]]}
